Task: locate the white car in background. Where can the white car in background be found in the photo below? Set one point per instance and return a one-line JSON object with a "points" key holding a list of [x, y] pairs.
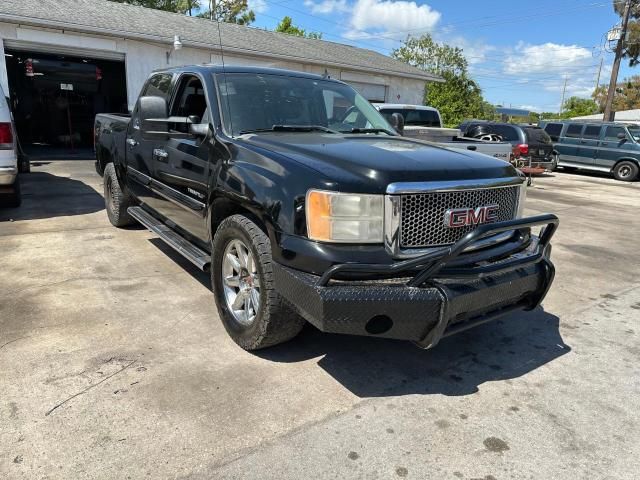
{"points": [[9, 183]]}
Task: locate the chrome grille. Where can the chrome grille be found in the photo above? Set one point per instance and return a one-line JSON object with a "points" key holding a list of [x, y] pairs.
{"points": [[422, 218]]}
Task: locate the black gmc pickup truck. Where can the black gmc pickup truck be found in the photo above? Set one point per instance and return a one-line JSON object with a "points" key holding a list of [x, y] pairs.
{"points": [[305, 205]]}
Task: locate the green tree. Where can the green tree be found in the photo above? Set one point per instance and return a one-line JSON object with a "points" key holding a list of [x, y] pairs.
{"points": [[627, 95], [459, 97], [229, 11], [424, 53], [632, 45], [286, 26], [578, 107]]}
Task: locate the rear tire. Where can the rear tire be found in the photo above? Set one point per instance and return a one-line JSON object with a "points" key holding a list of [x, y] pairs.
{"points": [[116, 199], [253, 313], [625, 171], [24, 165]]}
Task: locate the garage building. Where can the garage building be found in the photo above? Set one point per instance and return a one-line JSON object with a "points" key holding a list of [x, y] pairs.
{"points": [[66, 60]]}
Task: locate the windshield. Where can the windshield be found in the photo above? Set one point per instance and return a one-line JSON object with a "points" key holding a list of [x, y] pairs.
{"points": [[257, 102], [634, 131], [414, 117]]}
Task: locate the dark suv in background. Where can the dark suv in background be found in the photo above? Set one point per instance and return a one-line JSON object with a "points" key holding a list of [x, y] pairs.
{"points": [[605, 147], [530, 143]]}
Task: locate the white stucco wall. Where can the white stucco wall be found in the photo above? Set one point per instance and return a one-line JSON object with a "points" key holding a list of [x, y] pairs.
{"points": [[143, 57]]}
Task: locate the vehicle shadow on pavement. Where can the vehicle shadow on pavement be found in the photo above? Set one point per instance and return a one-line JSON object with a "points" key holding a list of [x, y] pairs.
{"points": [[46, 196], [501, 350]]}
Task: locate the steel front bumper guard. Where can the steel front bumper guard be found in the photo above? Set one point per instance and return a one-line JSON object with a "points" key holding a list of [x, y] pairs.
{"points": [[429, 297]]}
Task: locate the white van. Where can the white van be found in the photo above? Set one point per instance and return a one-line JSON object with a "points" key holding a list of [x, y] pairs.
{"points": [[9, 183]]}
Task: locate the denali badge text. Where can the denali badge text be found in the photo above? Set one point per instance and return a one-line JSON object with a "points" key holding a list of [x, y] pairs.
{"points": [[463, 217]]}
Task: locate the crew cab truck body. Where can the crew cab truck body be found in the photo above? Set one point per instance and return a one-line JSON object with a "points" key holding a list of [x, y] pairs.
{"points": [[302, 211], [425, 123]]}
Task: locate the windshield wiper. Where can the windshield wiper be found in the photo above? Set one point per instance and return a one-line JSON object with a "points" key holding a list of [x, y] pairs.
{"points": [[368, 130], [291, 128]]}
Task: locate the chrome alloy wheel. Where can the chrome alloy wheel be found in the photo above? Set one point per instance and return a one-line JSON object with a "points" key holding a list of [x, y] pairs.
{"points": [[241, 282], [625, 171]]}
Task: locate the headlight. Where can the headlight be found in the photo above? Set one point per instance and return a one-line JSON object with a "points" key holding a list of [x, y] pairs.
{"points": [[344, 217], [521, 199]]}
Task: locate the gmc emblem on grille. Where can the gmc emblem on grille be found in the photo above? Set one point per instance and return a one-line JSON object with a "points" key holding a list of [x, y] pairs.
{"points": [[463, 217]]}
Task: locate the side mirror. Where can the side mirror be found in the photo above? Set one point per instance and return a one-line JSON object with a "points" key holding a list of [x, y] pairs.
{"points": [[199, 129], [622, 136], [152, 111], [397, 122]]}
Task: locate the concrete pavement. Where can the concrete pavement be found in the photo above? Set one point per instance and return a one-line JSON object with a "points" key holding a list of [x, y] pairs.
{"points": [[114, 363]]}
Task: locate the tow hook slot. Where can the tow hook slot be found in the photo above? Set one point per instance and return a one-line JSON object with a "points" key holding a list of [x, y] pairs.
{"points": [[379, 324]]}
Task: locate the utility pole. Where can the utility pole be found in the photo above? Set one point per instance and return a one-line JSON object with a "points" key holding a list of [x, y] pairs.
{"points": [[564, 89], [616, 63], [599, 72]]}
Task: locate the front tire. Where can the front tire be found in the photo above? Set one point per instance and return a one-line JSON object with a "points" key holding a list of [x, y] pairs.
{"points": [[253, 313], [116, 199], [625, 171]]}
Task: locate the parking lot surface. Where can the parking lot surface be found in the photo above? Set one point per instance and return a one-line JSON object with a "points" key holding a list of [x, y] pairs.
{"points": [[114, 364]]}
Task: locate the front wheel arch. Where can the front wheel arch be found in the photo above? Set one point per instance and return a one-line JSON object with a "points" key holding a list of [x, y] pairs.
{"points": [[633, 161]]}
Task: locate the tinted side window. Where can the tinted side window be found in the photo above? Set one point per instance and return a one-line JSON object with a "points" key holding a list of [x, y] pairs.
{"points": [[612, 132], [158, 86], [592, 131], [574, 130], [421, 118], [553, 130]]}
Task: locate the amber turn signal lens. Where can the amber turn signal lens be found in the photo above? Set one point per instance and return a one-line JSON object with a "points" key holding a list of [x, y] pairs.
{"points": [[318, 215]]}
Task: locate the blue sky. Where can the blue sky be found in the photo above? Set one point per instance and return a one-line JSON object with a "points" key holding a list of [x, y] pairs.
{"points": [[520, 51]]}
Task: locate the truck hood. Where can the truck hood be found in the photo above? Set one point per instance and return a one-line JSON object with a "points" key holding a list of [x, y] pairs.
{"points": [[371, 162]]}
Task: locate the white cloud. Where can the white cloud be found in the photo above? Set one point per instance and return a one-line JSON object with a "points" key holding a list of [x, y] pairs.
{"points": [[546, 57], [258, 6], [391, 18], [325, 7], [547, 65], [532, 108]]}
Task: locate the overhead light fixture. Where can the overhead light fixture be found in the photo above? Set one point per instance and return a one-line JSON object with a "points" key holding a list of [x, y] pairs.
{"points": [[177, 45]]}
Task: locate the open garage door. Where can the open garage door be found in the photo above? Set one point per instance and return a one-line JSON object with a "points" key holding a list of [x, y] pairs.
{"points": [[55, 96], [370, 91]]}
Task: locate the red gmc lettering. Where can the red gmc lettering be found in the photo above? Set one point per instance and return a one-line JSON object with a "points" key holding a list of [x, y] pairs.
{"points": [[463, 217]]}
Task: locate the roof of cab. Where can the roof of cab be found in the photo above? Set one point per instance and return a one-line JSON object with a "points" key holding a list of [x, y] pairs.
{"points": [[404, 106], [216, 68]]}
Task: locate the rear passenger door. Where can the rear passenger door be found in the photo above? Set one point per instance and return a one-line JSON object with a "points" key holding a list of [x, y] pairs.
{"points": [[589, 144], [611, 147]]}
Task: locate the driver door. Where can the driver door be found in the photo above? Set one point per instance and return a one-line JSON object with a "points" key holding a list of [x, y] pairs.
{"points": [[181, 165]]}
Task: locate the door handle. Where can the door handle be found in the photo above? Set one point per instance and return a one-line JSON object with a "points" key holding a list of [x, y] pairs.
{"points": [[131, 142], [472, 147], [160, 154], [583, 141], [604, 144]]}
